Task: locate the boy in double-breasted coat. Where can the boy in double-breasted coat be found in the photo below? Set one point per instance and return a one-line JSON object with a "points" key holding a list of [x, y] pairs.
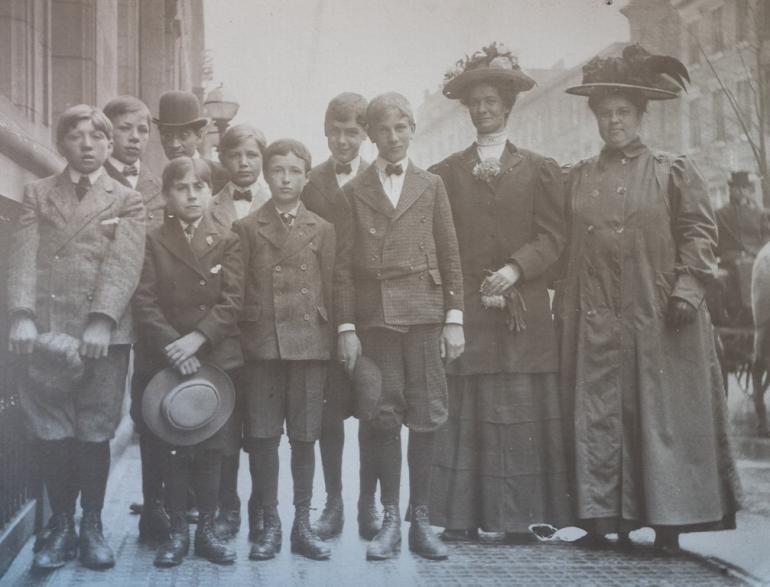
{"points": [[74, 263], [287, 338], [131, 123], [345, 130], [399, 296]]}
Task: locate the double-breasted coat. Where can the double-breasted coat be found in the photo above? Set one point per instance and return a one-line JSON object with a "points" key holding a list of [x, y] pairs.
{"points": [[191, 286], [644, 400], [149, 186], [399, 266], [70, 259], [288, 291], [516, 217]]}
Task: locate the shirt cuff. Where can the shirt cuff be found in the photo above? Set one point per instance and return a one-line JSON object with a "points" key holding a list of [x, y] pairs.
{"points": [[346, 327], [454, 316]]}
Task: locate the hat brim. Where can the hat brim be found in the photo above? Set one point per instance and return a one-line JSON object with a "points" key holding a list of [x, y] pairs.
{"points": [[367, 389], [589, 90], [518, 81], [166, 380], [198, 123]]}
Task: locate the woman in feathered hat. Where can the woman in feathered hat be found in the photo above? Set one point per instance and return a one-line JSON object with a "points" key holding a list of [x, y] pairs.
{"points": [[642, 385], [502, 464]]}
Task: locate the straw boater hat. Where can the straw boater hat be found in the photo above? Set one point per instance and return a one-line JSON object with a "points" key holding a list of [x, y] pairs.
{"points": [[494, 64], [188, 410], [656, 77], [179, 109]]}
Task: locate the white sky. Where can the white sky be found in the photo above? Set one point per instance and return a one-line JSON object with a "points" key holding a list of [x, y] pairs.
{"points": [[283, 60]]}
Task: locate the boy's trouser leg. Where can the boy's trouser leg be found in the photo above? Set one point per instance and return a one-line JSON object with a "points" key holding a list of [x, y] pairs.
{"points": [[331, 443], [154, 523], [422, 540], [386, 446], [368, 517], [265, 525], [228, 520], [304, 540], [93, 465]]}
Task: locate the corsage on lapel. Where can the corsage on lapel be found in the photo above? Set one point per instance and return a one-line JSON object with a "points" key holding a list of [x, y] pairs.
{"points": [[487, 170], [216, 268], [110, 221]]}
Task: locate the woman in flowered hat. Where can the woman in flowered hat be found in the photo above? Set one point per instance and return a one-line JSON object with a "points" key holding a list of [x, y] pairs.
{"points": [[642, 384], [502, 464]]}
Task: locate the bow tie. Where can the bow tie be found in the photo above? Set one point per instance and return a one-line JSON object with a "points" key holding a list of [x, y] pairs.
{"points": [[391, 169], [242, 195], [129, 170], [343, 168]]}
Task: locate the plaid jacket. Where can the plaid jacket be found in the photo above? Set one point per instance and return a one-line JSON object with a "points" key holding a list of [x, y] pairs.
{"points": [[396, 266], [149, 186]]}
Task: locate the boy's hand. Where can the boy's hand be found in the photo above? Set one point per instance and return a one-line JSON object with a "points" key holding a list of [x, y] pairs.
{"points": [[189, 366], [23, 334], [500, 281], [452, 342], [96, 337], [184, 348], [348, 350]]}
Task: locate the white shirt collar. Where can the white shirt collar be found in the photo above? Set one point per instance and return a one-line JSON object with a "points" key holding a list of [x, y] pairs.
{"points": [[186, 224], [292, 212], [383, 163], [75, 175], [355, 162], [120, 166]]}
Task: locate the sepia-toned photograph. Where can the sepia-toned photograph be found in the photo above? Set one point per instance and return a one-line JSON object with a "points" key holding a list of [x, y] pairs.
{"points": [[384, 292]]}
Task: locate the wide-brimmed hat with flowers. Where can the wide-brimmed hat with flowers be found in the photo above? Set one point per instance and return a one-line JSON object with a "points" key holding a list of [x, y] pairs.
{"points": [[656, 77], [495, 64]]}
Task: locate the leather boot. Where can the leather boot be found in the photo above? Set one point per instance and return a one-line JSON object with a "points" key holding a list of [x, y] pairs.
{"points": [[95, 553], [256, 520], [173, 550], [422, 540], [368, 518], [208, 545], [154, 522], [387, 542], [331, 520], [268, 542], [58, 543], [303, 540], [228, 523]]}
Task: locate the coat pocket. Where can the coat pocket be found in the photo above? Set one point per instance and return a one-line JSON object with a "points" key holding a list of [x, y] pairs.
{"points": [[322, 313], [435, 276], [108, 230], [664, 286]]}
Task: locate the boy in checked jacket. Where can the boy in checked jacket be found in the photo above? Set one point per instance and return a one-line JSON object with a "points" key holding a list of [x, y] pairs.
{"points": [[74, 263], [399, 300]]}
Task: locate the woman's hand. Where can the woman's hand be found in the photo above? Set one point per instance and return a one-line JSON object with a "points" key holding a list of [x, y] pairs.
{"points": [[183, 348], [22, 336], [501, 280], [680, 312]]}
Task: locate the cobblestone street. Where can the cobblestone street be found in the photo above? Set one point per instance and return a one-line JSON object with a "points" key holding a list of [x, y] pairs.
{"points": [[485, 563]]}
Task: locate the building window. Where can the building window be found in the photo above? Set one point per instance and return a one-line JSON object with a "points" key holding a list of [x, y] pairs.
{"points": [[741, 20], [695, 123], [717, 38], [693, 43], [718, 111]]}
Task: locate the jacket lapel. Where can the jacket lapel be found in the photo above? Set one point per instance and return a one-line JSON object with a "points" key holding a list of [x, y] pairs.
{"points": [[97, 199], [304, 229], [222, 208], [148, 185], [371, 193], [414, 186], [510, 158], [205, 238], [116, 175], [61, 201], [172, 237], [271, 226]]}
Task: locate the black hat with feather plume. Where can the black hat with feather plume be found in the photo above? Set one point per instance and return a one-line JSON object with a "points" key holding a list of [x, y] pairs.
{"points": [[656, 77]]}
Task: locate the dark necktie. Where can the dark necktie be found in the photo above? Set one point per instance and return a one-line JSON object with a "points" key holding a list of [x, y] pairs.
{"points": [[343, 168], [130, 170], [189, 232], [242, 195], [82, 186], [288, 219], [391, 169]]}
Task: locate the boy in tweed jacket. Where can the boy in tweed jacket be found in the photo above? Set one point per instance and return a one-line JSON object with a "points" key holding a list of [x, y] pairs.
{"points": [[74, 263], [399, 299]]}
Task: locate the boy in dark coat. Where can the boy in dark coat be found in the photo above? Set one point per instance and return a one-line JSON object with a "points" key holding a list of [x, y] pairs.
{"points": [[74, 263], [399, 298], [287, 339]]}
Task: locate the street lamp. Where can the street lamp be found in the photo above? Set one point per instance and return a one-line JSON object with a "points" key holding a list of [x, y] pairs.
{"points": [[221, 106]]}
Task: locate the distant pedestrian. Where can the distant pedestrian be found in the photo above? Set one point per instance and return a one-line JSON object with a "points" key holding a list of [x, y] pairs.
{"points": [[643, 388]]}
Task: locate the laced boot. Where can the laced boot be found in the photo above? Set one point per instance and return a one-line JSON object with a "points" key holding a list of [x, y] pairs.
{"points": [[368, 518], [227, 523], [95, 553], [176, 547], [154, 522], [303, 540], [422, 540], [331, 520], [58, 543], [208, 545], [256, 519], [268, 541], [387, 542]]}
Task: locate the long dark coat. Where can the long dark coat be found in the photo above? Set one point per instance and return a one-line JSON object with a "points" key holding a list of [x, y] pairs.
{"points": [[517, 217], [645, 401]]}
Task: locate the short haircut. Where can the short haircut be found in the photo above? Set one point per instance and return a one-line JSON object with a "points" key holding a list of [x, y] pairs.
{"points": [[70, 118], [284, 147], [125, 105], [240, 133], [346, 106], [634, 96], [177, 168], [380, 106]]}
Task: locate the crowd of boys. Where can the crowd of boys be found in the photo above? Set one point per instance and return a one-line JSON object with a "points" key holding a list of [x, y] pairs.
{"points": [[253, 292]]}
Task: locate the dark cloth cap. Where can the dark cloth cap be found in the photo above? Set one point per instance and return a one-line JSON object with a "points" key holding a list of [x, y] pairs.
{"points": [[178, 108]]}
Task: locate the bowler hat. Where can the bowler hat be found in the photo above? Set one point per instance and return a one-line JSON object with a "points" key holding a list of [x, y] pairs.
{"points": [[739, 179], [56, 362], [367, 389], [178, 108], [186, 410]]}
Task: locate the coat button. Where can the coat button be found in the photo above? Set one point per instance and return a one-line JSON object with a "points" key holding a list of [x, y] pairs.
{"points": [[303, 267], [202, 282], [379, 275], [590, 229], [423, 219], [306, 316], [590, 313], [422, 246], [90, 297], [278, 268], [56, 257], [372, 230], [623, 161], [202, 307], [374, 258], [304, 291], [595, 193], [621, 190], [619, 229], [53, 296], [150, 216]]}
